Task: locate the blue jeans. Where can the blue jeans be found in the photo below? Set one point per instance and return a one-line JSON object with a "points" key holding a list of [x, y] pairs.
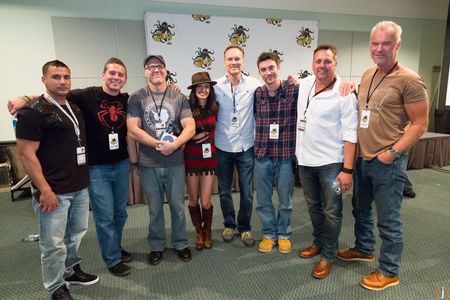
{"points": [[60, 236], [244, 162], [108, 192], [408, 187], [268, 171], [324, 206], [383, 184], [157, 182]]}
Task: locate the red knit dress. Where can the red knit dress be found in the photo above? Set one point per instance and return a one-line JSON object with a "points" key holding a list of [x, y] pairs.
{"points": [[195, 164]]}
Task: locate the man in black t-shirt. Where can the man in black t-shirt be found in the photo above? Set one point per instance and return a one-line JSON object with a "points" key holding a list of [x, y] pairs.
{"points": [[51, 142]]}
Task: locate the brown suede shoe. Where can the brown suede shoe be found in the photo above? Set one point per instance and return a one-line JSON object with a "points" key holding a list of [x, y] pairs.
{"points": [[322, 269], [353, 254], [376, 281], [310, 251]]}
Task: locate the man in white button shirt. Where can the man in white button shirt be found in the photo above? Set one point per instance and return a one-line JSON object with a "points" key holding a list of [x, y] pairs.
{"points": [[234, 142], [326, 143]]}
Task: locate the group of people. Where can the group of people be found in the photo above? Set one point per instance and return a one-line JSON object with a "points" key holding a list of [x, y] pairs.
{"points": [[237, 123]]}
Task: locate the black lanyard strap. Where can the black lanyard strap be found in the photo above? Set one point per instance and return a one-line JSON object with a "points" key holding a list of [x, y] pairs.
{"points": [[369, 94], [160, 107], [321, 91]]}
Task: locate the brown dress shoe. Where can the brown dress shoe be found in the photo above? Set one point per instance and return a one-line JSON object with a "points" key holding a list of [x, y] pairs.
{"points": [[376, 281], [322, 269], [353, 255], [310, 251]]}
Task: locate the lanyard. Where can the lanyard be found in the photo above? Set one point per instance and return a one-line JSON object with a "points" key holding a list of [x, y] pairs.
{"points": [[72, 118], [321, 91], [162, 101], [233, 93], [369, 94]]}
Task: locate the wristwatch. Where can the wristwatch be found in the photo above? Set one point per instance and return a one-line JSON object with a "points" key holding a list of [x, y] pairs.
{"points": [[395, 153]]}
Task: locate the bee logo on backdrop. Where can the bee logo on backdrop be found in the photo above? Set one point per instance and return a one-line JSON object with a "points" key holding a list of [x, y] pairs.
{"points": [[278, 54], [239, 35], [163, 33], [170, 78], [202, 18], [305, 37], [203, 59], [274, 22], [303, 74], [198, 41]]}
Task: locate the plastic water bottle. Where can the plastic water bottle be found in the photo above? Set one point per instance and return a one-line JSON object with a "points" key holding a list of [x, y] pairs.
{"points": [[14, 121], [337, 187], [31, 238]]}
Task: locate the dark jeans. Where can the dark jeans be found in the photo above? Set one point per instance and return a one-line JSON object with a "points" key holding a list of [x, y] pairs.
{"points": [[383, 184], [324, 206], [244, 162]]}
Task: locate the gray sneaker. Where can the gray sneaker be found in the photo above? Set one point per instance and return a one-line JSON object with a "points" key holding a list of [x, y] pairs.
{"points": [[247, 239], [228, 234]]}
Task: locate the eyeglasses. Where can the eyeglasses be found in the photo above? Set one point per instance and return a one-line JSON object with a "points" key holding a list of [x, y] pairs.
{"points": [[152, 68]]}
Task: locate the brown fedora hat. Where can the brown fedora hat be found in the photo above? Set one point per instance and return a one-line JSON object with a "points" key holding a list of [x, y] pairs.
{"points": [[201, 77]]}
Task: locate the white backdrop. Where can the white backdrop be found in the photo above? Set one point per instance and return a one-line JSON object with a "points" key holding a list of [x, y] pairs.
{"points": [[194, 43]]}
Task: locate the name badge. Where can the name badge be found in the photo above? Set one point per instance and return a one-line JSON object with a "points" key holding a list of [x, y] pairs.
{"points": [[234, 120], [302, 124], [160, 128], [113, 141], [81, 156], [365, 118], [274, 131], [206, 150]]}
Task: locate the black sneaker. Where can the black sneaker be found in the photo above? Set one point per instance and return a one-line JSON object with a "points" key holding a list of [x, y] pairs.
{"points": [[62, 293], [184, 254], [120, 269], [409, 193], [81, 278], [126, 256]]}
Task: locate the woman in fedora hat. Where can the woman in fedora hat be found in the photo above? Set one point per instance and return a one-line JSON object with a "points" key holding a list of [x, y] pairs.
{"points": [[200, 157]]}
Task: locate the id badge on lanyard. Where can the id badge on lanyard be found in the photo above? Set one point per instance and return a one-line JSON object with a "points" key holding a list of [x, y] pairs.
{"points": [[206, 150], [274, 131], [365, 118], [160, 128], [81, 156], [234, 120], [113, 138]]}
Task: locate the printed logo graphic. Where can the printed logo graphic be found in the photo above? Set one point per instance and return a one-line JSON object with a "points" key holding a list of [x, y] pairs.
{"points": [[238, 35], [112, 115], [163, 119], [305, 37], [202, 18], [278, 54], [170, 78], [163, 33], [303, 74], [203, 59], [273, 21]]}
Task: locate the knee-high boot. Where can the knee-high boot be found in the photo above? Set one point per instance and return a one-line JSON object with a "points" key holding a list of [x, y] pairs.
{"points": [[196, 218], [207, 221]]}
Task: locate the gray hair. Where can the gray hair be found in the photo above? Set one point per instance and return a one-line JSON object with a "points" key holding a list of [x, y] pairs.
{"points": [[385, 25]]}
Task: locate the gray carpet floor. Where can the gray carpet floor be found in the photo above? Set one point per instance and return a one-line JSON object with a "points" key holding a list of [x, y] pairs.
{"points": [[231, 271]]}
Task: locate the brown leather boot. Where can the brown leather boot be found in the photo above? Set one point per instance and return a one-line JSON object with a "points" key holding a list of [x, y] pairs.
{"points": [[207, 221], [196, 218]]}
